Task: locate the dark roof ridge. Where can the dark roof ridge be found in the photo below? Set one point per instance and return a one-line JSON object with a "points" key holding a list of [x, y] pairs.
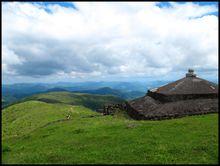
{"points": [[187, 85]]}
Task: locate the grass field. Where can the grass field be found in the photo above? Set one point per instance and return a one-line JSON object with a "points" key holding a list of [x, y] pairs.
{"points": [[38, 132]]}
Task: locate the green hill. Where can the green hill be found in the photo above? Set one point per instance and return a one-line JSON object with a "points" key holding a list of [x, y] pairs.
{"points": [[126, 90], [128, 95], [91, 101], [24, 117], [39, 132]]}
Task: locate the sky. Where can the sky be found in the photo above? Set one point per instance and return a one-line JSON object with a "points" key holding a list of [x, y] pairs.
{"points": [[108, 41]]}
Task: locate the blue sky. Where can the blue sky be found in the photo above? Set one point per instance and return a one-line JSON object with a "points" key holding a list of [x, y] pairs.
{"points": [[161, 4], [64, 4], [52, 41], [167, 4]]}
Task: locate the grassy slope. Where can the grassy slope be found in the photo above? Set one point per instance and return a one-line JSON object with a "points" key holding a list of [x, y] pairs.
{"points": [[33, 134], [88, 100], [24, 117]]}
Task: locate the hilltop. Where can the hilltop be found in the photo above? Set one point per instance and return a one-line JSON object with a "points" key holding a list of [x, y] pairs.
{"points": [[36, 130], [91, 101]]}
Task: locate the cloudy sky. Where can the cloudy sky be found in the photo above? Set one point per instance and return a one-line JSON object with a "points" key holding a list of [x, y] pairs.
{"points": [[81, 41]]}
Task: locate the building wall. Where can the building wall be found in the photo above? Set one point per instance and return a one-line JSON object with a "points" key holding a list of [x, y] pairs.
{"points": [[172, 98]]}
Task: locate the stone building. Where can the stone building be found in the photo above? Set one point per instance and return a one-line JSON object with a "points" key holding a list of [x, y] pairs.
{"points": [[190, 95]]}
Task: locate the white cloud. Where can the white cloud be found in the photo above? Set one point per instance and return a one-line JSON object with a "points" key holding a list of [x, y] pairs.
{"points": [[9, 58], [99, 39]]}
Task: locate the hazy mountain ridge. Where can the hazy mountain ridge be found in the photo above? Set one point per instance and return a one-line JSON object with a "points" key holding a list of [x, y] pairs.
{"points": [[125, 90]]}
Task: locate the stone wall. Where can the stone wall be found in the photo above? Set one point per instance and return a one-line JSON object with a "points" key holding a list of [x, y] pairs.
{"points": [[168, 110], [110, 109], [183, 108]]}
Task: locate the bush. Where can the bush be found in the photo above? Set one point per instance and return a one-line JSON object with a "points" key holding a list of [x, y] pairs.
{"points": [[6, 148]]}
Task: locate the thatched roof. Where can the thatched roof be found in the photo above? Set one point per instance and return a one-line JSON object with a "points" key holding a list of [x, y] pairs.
{"points": [[188, 85], [148, 108], [190, 95]]}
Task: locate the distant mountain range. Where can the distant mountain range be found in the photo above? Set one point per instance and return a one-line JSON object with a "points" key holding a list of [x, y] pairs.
{"points": [[119, 93], [127, 95], [125, 90]]}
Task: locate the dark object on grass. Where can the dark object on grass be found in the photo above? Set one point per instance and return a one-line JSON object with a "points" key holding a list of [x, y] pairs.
{"points": [[190, 95]]}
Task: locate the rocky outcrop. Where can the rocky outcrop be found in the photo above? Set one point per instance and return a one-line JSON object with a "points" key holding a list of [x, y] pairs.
{"points": [[110, 109]]}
